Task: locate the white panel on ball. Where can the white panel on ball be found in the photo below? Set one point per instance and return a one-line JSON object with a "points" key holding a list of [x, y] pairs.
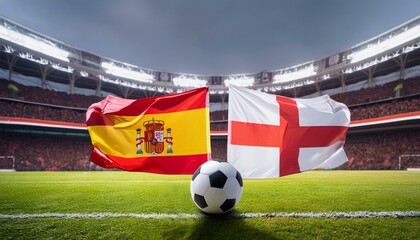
{"points": [[209, 167], [227, 169], [201, 184]]}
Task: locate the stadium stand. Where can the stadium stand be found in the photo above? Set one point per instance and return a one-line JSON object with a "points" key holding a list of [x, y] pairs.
{"points": [[33, 152], [46, 153], [380, 151], [32, 110], [59, 106], [45, 96]]}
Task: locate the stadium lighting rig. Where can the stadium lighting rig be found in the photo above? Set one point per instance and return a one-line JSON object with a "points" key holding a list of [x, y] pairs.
{"points": [[64, 69], [130, 84], [218, 91], [9, 49], [84, 74], [189, 81], [298, 84], [270, 89], [275, 88], [239, 80], [383, 58], [290, 75], [29, 57], [393, 41], [122, 82], [115, 70], [36, 44]]}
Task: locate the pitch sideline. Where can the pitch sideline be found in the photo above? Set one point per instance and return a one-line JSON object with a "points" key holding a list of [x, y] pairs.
{"points": [[360, 214]]}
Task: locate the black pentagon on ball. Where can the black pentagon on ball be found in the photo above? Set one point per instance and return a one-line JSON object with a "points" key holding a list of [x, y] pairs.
{"points": [[201, 202], [196, 173], [228, 204], [217, 179], [239, 178]]}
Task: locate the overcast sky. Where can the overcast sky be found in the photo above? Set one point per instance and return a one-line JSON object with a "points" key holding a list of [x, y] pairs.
{"points": [[211, 37]]}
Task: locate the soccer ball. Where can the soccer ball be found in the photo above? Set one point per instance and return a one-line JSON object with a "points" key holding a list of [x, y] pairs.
{"points": [[216, 187]]}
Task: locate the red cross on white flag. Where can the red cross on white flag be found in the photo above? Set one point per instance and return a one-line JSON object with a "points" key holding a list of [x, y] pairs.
{"points": [[272, 136]]}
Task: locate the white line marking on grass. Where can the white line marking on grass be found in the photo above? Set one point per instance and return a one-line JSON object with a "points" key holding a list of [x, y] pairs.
{"points": [[106, 182], [100, 215], [362, 214]]}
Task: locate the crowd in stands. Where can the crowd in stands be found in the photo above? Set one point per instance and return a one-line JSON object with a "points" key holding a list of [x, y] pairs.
{"points": [[366, 103], [365, 151], [219, 149], [374, 151], [36, 153], [387, 91], [382, 150], [39, 95], [218, 116], [385, 108], [219, 126], [28, 110], [33, 111]]}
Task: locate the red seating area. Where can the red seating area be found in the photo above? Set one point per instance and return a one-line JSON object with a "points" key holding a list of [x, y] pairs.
{"points": [[410, 87], [39, 153], [39, 95], [380, 150], [25, 110], [379, 101], [385, 108]]}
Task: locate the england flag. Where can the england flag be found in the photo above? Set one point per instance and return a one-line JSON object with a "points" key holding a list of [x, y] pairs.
{"points": [[272, 136]]}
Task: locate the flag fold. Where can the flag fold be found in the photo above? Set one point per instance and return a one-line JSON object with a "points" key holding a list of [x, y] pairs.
{"points": [[272, 136], [167, 134]]}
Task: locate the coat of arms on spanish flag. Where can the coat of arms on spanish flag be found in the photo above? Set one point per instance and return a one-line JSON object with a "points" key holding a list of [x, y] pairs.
{"points": [[167, 134]]}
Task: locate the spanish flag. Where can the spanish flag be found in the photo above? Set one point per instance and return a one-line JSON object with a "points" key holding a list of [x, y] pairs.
{"points": [[166, 134]]}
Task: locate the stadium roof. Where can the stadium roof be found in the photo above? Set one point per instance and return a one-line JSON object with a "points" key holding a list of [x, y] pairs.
{"points": [[36, 54], [211, 37]]}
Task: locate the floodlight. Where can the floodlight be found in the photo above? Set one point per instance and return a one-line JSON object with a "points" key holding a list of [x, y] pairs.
{"points": [[189, 81], [64, 69], [392, 42], [29, 57], [240, 81], [84, 73], [9, 49], [112, 69], [298, 74], [34, 44]]}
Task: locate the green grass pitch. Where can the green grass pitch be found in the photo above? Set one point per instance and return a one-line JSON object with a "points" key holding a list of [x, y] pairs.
{"points": [[125, 192]]}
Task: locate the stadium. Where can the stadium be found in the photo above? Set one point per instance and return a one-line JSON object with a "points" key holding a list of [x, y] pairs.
{"points": [[46, 87]]}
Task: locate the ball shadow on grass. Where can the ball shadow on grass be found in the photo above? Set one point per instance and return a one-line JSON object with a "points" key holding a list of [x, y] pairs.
{"points": [[224, 226]]}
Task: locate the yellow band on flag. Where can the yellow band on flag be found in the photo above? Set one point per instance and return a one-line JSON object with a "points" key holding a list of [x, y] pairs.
{"points": [[188, 131]]}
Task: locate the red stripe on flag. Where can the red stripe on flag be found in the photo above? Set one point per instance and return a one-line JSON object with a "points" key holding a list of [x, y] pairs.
{"points": [[189, 100], [289, 125], [155, 164], [253, 134], [193, 99], [321, 135], [296, 136]]}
